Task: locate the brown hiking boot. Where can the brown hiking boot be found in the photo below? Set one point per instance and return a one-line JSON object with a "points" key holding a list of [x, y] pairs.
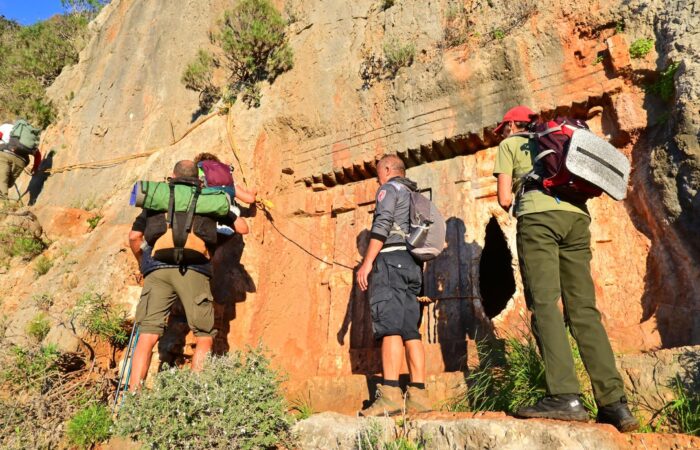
{"points": [[389, 401], [417, 400]]}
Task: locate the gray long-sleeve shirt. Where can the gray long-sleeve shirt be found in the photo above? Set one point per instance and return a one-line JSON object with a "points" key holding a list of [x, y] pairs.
{"points": [[391, 215]]}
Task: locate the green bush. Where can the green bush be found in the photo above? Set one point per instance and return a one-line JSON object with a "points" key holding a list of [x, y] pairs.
{"points": [[397, 55], [16, 241], [664, 87], [101, 319], [33, 56], [641, 47], [235, 402], [42, 265], [39, 327], [30, 368], [254, 43], [90, 426], [198, 77]]}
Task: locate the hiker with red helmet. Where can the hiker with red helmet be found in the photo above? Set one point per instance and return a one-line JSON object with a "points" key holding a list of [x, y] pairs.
{"points": [[554, 251]]}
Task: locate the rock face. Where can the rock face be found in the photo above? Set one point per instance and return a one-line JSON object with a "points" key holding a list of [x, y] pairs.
{"points": [[462, 431], [311, 149]]}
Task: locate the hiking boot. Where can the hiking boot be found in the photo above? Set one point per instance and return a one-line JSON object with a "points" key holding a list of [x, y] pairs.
{"points": [[417, 400], [559, 407], [389, 401], [618, 415]]}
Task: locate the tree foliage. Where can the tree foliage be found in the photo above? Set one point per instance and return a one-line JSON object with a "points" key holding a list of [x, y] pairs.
{"points": [[33, 56]]}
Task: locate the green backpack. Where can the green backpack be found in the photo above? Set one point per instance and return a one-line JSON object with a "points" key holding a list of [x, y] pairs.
{"points": [[26, 135], [155, 195]]}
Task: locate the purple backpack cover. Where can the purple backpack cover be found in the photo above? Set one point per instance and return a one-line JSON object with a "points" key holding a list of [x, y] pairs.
{"points": [[216, 173]]}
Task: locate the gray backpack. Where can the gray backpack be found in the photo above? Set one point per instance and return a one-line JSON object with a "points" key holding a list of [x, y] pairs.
{"points": [[426, 234]]}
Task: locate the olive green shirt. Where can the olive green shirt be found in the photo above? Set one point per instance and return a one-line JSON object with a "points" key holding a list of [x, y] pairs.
{"points": [[514, 158]]}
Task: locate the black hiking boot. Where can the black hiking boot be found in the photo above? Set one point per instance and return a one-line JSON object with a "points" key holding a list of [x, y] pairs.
{"points": [[618, 415], [559, 407]]}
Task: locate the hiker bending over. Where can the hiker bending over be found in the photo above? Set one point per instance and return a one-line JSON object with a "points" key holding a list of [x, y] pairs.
{"points": [[18, 142], [166, 281], [217, 175], [394, 279], [554, 249]]}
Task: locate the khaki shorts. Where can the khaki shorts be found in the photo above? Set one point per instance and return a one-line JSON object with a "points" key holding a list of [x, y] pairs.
{"points": [[160, 290]]}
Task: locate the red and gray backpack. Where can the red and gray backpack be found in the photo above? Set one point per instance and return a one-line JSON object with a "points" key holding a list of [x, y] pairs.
{"points": [[573, 164]]}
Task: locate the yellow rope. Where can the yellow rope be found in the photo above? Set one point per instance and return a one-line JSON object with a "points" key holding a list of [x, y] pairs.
{"points": [[114, 161]]}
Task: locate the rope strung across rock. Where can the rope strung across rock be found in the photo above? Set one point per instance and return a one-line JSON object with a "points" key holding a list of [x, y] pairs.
{"points": [[122, 159]]}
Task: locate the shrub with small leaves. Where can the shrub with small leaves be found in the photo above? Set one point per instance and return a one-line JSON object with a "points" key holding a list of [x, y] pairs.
{"points": [[16, 241], [235, 402], [39, 327], [101, 319], [93, 221], [458, 26], [90, 426], [198, 76], [30, 368], [42, 265], [641, 47], [398, 55], [43, 301], [254, 42], [498, 34], [664, 86]]}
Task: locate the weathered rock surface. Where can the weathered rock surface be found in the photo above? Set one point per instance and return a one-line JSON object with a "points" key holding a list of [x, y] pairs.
{"points": [[463, 431]]}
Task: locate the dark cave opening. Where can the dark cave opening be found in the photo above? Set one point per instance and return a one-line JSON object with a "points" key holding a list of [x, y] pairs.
{"points": [[496, 279]]}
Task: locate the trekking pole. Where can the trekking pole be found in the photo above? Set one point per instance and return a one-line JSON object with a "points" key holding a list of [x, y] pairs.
{"points": [[123, 384], [19, 196]]}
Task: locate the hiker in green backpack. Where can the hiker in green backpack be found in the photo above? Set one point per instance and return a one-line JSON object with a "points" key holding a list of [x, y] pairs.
{"points": [[166, 280], [16, 148]]}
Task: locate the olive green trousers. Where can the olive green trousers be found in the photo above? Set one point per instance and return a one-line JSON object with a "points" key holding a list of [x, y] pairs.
{"points": [[554, 248]]}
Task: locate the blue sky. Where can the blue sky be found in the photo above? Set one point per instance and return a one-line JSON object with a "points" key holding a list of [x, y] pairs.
{"points": [[28, 12]]}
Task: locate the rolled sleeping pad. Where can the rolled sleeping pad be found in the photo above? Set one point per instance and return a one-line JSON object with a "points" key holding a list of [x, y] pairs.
{"points": [[155, 195]]}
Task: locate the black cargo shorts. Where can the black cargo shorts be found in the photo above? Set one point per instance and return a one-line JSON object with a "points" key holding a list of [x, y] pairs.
{"points": [[394, 283]]}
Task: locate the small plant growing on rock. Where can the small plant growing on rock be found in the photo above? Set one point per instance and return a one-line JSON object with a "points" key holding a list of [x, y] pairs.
{"points": [[397, 55], [42, 265], [94, 220], [90, 426], [664, 87], [641, 48], [38, 327], [457, 26], [101, 319], [30, 368], [598, 59], [303, 406], [498, 34], [43, 301], [235, 402], [16, 241]]}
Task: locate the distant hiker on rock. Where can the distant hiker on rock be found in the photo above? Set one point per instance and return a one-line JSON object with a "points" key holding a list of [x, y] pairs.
{"points": [[554, 249], [394, 280], [173, 244], [218, 175], [17, 143]]}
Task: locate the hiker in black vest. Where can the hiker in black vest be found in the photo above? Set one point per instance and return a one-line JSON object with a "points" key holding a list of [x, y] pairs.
{"points": [[165, 282], [14, 154], [554, 250], [394, 280]]}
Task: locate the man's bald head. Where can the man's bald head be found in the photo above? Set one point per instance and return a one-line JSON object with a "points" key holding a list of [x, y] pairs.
{"points": [[185, 169], [393, 163]]}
